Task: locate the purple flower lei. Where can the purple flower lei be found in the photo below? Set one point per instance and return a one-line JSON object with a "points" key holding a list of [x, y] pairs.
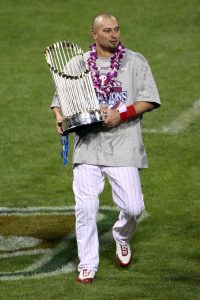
{"points": [[111, 75]]}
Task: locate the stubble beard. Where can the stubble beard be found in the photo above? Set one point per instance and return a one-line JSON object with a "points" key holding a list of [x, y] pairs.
{"points": [[110, 48]]}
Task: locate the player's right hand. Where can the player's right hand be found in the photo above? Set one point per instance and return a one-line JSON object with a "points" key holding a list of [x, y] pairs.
{"points": [[59, 127], [59, 119]]}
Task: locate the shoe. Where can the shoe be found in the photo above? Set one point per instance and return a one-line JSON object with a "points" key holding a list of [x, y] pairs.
{"points": [[86, 276], [123, 255]]}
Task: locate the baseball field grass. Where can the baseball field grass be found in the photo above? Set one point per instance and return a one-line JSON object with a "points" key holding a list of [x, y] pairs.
{"points": [[38, 254]]}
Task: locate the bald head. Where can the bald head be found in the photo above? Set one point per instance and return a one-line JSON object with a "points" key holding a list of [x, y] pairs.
{"points": [[99, 20]]}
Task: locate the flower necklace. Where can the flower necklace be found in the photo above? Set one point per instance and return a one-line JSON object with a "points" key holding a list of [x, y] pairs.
{"points": [[111, 75]]}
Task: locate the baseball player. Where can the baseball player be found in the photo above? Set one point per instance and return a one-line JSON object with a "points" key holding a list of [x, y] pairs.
{"points": [[126, 90]]}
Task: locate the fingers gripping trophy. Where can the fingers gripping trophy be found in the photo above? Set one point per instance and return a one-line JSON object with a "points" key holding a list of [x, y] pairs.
{"points": [[73, 83]]}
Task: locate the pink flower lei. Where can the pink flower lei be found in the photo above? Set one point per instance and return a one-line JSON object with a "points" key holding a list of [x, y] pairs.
{"points": [[111, 75]]}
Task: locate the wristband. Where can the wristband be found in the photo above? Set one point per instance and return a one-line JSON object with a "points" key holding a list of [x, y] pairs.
{"points": [[128, 114]]}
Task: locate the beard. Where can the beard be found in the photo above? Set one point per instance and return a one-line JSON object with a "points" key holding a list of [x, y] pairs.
{"points": [[110, 47]]}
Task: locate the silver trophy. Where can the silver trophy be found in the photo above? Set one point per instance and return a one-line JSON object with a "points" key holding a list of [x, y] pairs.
{"points": [[74, 87]]}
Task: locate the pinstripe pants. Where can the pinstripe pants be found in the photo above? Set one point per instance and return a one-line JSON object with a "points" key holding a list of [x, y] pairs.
{"points": [[127, 195]]}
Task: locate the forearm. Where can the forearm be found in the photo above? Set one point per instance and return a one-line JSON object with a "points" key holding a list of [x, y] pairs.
{"points": [[141, 107], [58, 114], [114, 117], [134, 110]]}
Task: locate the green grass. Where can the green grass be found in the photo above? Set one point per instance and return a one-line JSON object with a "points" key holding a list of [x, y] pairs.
{"points": [[15, 264], [166, 245]]}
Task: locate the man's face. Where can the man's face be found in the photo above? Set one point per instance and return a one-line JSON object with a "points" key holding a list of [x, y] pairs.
{"points": [[106, 34]]}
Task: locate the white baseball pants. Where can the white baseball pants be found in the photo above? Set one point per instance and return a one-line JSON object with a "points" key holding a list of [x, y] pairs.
{"points": [[127, 195]]}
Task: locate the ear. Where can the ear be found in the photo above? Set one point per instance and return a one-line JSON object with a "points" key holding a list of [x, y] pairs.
{"points": [[93, 34]]}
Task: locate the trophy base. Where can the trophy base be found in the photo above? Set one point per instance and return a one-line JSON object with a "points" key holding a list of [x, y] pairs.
{"points": [[81, 120]]}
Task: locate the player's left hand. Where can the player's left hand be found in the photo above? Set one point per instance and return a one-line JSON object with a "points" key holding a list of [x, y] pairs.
{"points": [[112, 117]]}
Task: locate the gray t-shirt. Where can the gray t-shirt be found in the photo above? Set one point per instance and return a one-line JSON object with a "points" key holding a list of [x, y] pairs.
{"points": [[121, 145]]}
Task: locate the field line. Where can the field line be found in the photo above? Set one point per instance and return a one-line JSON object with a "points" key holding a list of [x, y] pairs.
{"points": [[181, 122], [43, 210], [47, 257], [25, 253], [70, 267]]}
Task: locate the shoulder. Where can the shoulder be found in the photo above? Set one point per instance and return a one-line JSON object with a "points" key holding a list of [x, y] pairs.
{"points": [[136, 56]]}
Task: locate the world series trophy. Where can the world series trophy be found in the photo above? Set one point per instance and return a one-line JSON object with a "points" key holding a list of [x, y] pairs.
{"points": [[74, 87]]}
